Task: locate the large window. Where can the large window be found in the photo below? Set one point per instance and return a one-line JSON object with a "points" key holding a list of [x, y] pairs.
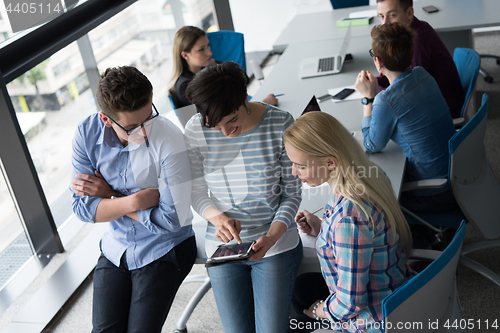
{"points": [[15, 248], [48, 108], [53, 96]]}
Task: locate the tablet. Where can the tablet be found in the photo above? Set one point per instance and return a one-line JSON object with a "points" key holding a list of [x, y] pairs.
{"points": [[232, 252]]}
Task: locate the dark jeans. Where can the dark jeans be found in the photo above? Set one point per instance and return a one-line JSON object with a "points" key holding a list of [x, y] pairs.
{"points": [[436, 203], [139, 300], [309, 288], [254, 296], [423, 237]]}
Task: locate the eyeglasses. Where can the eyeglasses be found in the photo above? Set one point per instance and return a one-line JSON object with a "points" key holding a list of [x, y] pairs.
{"points": [[373, 55], [137, 128]]}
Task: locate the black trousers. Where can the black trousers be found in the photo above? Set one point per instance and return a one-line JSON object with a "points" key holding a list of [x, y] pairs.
{"points": [[309, 288], [133, 301]]}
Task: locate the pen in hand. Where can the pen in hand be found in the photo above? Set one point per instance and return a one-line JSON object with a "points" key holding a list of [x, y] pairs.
{"points": [[317, 210], [278, 95]]}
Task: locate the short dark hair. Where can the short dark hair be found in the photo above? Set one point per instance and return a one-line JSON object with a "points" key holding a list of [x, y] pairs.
{"points": [[392, 43], [404, 4], [123, 89], [217, 91]]}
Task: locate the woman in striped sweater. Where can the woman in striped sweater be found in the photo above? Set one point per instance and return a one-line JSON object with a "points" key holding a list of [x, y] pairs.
{"points": [[244, 187]]}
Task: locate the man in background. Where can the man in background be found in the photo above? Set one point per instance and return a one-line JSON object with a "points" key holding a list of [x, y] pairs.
{"points": [[429, 52]]}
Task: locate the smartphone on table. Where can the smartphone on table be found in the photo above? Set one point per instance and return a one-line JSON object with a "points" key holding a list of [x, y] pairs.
{"points": [[343, 93], [232, 252], [430, 9]]}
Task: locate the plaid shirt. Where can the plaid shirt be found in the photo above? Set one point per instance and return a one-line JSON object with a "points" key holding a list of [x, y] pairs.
{"points": [[359, 262]]}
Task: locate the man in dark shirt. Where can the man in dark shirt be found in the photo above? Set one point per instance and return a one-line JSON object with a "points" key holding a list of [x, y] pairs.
{"points": [[429, 52]]}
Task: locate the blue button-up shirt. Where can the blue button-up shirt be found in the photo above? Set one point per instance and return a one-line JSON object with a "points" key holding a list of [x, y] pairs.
{"points": [[160, 162], [413, 113]]}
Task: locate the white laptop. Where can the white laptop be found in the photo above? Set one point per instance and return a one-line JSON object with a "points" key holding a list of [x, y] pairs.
{"points": [[326, 65]]}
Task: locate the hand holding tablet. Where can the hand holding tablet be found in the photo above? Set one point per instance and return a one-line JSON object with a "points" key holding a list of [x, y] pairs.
{"points": [[227, 253]]}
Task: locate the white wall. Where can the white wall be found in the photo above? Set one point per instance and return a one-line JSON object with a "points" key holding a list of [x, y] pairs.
{"points": [[263, 20]]}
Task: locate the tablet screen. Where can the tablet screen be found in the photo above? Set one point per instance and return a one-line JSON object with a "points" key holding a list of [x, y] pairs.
{"points": [[232, 250], [312, 105]]}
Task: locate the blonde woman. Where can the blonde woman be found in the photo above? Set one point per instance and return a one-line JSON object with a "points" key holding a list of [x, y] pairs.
{"points": [[191, 53], [363, 242]]}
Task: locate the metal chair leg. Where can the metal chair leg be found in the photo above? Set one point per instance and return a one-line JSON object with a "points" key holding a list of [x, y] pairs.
{"points": [[181, 324]]}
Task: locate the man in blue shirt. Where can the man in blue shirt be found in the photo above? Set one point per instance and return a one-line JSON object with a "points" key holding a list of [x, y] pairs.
{"points": [[131, 169], [411, 111]]}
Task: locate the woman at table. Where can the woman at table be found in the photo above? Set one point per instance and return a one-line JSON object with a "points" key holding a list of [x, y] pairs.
{"points": [[244, 187], [411, 111], [191, 53], [363, 242]]}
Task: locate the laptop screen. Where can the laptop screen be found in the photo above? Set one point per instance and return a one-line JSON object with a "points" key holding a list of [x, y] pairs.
{"points": [[312, 105]]}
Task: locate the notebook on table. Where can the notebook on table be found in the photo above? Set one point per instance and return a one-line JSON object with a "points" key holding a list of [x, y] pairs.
{"points": [[325, 65]]}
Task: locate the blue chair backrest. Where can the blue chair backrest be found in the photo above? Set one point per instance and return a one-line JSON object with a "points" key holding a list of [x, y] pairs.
{"points": [[468, 63], [475, 185], [336, 4], [471, 162], [228, 46], [171, 101], [426, 296]]}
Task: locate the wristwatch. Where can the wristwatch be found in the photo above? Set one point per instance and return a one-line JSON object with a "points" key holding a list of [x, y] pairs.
{"points": [[366, 101], [116, 195]]}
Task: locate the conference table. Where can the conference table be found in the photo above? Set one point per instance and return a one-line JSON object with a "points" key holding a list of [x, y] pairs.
{"points": [[453, 22], [285, 79]]}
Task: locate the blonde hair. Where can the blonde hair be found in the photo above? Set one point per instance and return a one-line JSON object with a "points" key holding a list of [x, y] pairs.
{"points": [[321, 136], [184, 40]]}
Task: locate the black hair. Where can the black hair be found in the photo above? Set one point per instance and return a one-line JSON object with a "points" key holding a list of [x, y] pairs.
{"points": [[217, 91]]}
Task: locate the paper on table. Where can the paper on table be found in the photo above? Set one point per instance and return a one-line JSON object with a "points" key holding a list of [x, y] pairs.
{"points": [[364, 13], [354, 95]]}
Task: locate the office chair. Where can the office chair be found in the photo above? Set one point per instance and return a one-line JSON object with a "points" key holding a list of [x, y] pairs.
{"points": [[487, 77], [171, 96], [468, 64], [475, 188], [336, 4], [430, 298], [200, 229], [183, 114], [228, 46]]}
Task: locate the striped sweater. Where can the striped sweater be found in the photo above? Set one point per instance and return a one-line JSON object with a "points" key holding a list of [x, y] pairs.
{"points": [[248, 177]]}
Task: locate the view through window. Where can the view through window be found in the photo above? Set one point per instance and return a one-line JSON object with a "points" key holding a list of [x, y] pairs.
{"points": [[15, 248], [54, 96]]}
